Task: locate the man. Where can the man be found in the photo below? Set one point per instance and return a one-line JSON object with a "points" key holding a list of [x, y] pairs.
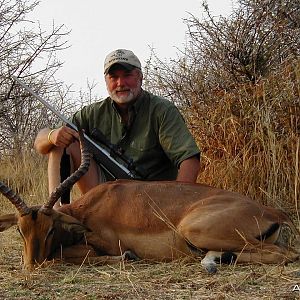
{"points": [[148, 128]]}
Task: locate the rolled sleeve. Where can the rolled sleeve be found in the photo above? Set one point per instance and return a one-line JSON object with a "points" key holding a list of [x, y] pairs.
{"points": [[175, 138]]}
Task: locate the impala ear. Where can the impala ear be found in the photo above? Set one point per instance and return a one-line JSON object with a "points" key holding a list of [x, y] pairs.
{"points": [[71, 224], [75, 227], [7, 221]]}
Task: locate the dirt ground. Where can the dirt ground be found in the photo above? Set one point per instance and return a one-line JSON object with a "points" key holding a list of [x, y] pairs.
{"points": [[141, 280]]}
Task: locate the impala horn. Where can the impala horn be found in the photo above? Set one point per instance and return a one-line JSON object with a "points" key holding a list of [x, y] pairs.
{"points": [[73, 178], [14, 199]]}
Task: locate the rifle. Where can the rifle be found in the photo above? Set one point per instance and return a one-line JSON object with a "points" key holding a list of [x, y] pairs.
{"points": [[105, 159]]}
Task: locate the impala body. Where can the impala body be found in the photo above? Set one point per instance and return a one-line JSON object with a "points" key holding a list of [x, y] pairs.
{"points": [[155, 220], [168, 220], [159, 221]]}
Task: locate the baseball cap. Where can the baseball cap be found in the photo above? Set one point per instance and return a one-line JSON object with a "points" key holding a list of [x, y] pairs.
{"points": [[123, 57]]}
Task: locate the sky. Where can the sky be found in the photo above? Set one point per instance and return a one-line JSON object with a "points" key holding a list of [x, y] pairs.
{"points": [[99, 27]]}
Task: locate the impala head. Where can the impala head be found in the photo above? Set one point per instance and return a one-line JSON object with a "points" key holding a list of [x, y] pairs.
{"points": [[42, 228]]}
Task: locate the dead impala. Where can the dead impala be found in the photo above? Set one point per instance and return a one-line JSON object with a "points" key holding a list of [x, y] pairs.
{"points": [[158, 221]]}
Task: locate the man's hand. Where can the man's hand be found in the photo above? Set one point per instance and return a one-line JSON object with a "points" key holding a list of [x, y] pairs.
{"points": [[62, 137]]}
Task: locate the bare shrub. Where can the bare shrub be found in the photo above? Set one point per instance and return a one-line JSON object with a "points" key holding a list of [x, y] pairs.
{"points": [[237, 83], [250, 139], [26, 49]]}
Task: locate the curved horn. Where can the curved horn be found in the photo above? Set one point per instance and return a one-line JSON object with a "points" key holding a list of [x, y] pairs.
{"points": [[73, 178], [14, 199]]}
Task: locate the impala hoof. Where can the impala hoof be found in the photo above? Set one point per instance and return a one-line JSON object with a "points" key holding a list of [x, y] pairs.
{"points": [[129, 255], [211, 268]]}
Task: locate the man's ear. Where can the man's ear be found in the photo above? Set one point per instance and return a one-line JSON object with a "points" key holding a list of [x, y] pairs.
{"points": [[7, 221]]}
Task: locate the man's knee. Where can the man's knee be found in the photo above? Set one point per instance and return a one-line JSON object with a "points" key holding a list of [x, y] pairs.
{"points": [[58, 168]]}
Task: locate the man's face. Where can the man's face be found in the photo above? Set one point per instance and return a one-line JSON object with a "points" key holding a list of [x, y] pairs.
{"points": [[122, 85]]}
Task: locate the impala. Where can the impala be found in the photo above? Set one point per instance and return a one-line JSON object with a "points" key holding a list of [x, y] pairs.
{"points": [[158, 221]]}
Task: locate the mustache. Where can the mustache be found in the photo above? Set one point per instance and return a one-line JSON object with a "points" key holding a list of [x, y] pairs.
{"points": [[122, 89]]}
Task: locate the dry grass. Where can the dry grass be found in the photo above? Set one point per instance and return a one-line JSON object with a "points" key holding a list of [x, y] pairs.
{"points": [[27, 176], [250, 142], [140, 280], [250, 138]]}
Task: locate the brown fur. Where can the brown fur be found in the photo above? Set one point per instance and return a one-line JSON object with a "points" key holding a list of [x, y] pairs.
{"points": [[158, 221]]}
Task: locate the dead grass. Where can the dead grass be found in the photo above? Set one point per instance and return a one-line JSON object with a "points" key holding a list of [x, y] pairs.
{"points": [[138, 280], [250, 138], [141, 280], [250, 143]]}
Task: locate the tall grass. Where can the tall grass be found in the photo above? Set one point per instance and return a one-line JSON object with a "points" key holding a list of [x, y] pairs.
{"points": [[26, 174], [249, 139], [250, 143]]}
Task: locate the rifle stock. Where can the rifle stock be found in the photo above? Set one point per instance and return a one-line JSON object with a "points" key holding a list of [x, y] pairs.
{"points": [[112, 167]]}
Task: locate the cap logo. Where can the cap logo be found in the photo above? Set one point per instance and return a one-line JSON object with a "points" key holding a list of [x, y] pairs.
{"points": [[118, 53], [121, 56]]}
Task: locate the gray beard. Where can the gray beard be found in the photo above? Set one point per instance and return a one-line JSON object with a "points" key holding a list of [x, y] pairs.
{"points": [[133, 94]]}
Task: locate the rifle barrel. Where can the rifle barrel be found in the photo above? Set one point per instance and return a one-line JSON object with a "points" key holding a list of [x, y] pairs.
{"points": [[110, 165]]}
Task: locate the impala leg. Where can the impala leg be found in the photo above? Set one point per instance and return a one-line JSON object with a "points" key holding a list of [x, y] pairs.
{"points": [[227, 248], [209, 261], [106, 243], [262, 254], [78, 254], [267, 254]]}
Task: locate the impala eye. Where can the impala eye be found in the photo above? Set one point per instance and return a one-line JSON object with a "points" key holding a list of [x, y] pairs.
{"points": [[21, 234], [51, 232]]}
